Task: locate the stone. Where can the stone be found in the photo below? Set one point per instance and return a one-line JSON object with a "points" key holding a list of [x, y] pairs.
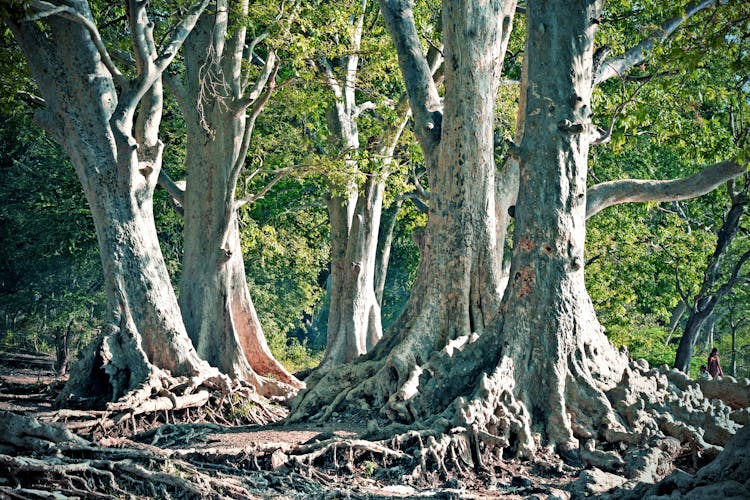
{"points": [[594, 481]]}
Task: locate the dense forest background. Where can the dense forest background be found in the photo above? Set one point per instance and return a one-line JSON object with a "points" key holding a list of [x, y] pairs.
{"points": [[647, 265]]}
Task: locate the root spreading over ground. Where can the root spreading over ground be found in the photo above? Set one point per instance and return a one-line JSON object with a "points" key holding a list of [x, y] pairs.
{"points": [[665, 434]]}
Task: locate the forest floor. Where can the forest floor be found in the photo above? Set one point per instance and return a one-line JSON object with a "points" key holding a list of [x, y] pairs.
{"points": [[199, 459], [251, 455]]}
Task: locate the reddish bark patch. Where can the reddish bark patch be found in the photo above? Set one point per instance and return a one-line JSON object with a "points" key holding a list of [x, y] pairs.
{"points": [[526, 245], [524, 282]]}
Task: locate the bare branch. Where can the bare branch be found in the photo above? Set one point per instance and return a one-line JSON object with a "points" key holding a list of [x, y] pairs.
{"points": [[605, 136], [365, 106], [30, 99], [352, 60], [252, 198], [420, 85], [325, 66], [250, 54], [617, 66], [180, 34], [47, 9], [269, 69], [610, 193]]}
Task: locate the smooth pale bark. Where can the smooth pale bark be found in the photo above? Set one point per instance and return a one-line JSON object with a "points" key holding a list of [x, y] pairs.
{"points": [[214, 298], [354, 317], [611, 193], [117, 162], [354, 323]]}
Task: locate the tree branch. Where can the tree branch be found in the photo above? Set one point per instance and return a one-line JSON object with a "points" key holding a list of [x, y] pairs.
{"points": [[252, 198], [617, 66], [269, 69], [325, 66], [48, 9], [173, 188], [610, 193], [420, 85]]}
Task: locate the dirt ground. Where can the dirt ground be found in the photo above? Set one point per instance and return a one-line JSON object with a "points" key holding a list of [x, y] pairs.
{"points": [[257, 456]]}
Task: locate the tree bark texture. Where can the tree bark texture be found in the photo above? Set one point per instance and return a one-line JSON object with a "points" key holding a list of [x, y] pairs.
{"points": [[458, 285], [215, 301], [550, 329], [354, 321], [94, 124], [354, 318], [461, 365]]}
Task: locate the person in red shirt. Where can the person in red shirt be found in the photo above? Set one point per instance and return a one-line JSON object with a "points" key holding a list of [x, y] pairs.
{"points": [[714, 366]]}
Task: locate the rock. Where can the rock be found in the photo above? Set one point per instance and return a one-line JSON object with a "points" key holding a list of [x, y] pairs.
{"points": [[733, 463], [727, 477], [594, 481], [725, 490], [278, 459], [735, 393], [652, 464]]}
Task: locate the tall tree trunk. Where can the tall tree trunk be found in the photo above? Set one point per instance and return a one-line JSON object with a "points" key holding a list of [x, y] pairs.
{"points": [[547, 305], [215, 301], [354, 317], [458, 287], [460, 364], [711, 293], [118, 171], [733, 360], [385, 243], [354, 322]]}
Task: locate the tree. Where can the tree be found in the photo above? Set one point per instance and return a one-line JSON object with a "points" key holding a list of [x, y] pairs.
{"points": [[717, 282], [221, 97], [462, 354], [354, 317], [90, 109]]}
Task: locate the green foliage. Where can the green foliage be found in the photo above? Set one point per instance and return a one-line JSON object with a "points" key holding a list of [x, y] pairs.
{"points": [[50, 271], [644, 342], [286, 251]]}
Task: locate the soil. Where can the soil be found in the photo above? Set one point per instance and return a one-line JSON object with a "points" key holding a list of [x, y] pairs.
{"points": [[184, 455], [254, 455]]}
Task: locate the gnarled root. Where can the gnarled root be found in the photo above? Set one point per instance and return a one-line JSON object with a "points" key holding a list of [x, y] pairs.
{"points": [[469, 411], [165, 399]]}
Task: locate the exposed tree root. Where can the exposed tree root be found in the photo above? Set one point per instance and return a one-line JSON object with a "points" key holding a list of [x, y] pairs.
{"points": [[64, 465], [626, 418], [172, 400]]}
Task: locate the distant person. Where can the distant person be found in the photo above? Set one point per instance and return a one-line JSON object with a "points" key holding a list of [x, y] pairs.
{"points": [[704, 373], [714, 366]]}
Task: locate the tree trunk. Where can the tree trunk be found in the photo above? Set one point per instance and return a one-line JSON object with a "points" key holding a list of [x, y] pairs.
{"points": [[215, 301], [550, 326], [82, 112], [385, 243], [710, 294], [354, 322], [457, 291], [709, 329]]}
